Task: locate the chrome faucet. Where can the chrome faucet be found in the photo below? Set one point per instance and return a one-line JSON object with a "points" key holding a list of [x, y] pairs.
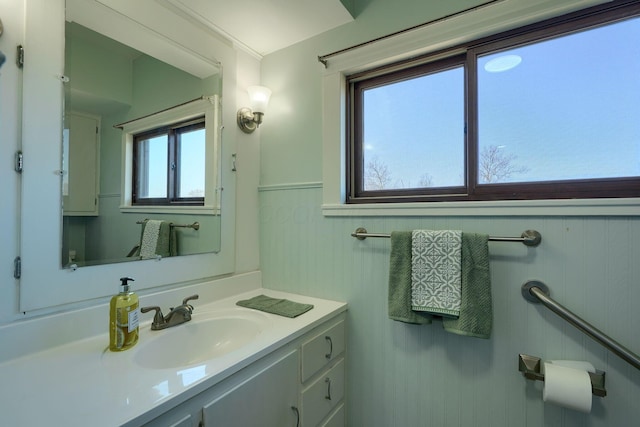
{"points": [[176, 316]]}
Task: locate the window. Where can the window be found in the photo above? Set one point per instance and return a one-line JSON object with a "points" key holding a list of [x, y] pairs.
{"points": [[550, 111], [171, 160], [169, 165]]}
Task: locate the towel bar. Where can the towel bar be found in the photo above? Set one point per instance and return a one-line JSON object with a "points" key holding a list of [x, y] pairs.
{"points": [[530, 368], [528, 237], [195, 225]]}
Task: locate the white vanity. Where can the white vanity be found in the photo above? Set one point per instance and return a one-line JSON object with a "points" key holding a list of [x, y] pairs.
{"points": [[300, 383], [270, 371]]}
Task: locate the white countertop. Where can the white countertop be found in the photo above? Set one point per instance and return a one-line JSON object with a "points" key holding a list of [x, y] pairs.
{"points": [[81, 383]]}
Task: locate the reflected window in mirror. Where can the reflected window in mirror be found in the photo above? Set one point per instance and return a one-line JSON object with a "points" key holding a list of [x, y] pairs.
{"points": [[169, 166], [171, 160], [109, 83]]}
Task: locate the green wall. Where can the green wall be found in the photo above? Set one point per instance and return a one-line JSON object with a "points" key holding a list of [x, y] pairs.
{"points": [[403, 375]]}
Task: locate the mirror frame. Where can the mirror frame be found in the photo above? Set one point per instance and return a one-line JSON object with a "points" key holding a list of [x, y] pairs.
{"points": [[44, 284]]}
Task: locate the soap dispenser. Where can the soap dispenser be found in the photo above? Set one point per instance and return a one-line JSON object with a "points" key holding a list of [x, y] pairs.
{"points": [[123, 318]]}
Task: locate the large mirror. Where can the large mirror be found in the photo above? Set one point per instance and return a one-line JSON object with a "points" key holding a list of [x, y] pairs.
{"points": [[162, 32], [109, 86]]}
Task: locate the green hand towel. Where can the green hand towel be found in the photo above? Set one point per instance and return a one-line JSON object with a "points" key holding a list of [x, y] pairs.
{"points": [[400, 281], [163, 242], [167, 241], [476, 314], [282, 307]]}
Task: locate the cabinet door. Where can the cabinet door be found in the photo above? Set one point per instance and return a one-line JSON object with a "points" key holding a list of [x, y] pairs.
{"points": [[80, 182], [264, 400]]}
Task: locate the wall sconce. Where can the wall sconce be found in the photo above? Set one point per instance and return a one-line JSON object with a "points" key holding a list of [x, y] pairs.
{"points": [[249, 119]]}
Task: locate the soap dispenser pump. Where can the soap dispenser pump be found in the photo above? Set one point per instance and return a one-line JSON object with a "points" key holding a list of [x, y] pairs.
{"points": [[123, 318]]}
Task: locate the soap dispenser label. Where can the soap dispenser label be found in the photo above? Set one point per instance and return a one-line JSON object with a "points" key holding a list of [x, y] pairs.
{"points": [[133, 320]]}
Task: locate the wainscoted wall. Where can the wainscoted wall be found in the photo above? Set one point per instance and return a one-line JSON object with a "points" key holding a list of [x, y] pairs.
{"points": [[405, 375]]}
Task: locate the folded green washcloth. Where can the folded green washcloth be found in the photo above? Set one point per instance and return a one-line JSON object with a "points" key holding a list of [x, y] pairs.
{"points": [[282, 307]]}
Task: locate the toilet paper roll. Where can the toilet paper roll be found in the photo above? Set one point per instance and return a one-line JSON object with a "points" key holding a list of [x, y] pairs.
{"points": [[575, 364], [567, 386]]}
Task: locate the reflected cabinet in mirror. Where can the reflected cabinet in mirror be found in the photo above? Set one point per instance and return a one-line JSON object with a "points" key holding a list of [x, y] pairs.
{"points": [[141, 152]]}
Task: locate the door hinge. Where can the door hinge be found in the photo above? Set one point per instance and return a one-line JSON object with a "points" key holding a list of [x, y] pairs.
{"points": [[17, 267], [19, 162], [20, 56]]}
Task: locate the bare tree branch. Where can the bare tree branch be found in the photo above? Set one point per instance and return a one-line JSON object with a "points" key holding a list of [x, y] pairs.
{"points": [[497, 166], [376, 175], [426, 180]]}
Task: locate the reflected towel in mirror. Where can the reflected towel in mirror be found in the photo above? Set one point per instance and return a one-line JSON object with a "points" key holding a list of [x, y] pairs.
{"points": [[157, 238]]}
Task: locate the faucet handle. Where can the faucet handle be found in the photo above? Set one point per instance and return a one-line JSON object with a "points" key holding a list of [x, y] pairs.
{"points": [[187, 299], [158, 318], [189, 306]]}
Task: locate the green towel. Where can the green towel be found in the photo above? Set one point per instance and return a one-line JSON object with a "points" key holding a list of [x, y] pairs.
{"points": [[400, 281], [476, 314], [282, 307], [167, 241], [163, 240]]}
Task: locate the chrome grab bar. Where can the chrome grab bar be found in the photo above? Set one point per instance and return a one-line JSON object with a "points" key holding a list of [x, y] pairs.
{"points": [[535, 291]]}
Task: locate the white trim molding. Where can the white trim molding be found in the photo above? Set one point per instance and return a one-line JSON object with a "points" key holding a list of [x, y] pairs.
{"points": [[293, 186], [510, 208]]}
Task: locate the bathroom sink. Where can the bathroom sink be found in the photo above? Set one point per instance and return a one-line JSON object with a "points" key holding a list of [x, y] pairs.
{"points": [[206, 336]]}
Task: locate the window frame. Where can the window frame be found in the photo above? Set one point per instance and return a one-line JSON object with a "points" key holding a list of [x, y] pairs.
{"points": [[621, 187], [208, 106], [173, 132]]}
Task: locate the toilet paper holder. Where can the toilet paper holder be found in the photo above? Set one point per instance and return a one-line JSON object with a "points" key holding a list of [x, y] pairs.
{"points": [[530, 367]]}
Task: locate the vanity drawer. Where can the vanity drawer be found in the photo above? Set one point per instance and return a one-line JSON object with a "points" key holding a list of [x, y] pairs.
{"points": [[336, 419], [323, 395], [322, 349]]}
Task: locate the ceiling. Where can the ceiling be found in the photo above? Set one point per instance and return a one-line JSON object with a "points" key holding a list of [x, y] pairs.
{"points": [[264, 26], [259, 27]]}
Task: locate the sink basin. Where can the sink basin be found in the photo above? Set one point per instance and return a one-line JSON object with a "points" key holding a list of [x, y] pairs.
{"points": [[206, 336]]}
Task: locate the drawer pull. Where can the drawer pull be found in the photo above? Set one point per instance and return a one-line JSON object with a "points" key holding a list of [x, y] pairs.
{"points": [[328, 381], [294, 409], [328, 355]]}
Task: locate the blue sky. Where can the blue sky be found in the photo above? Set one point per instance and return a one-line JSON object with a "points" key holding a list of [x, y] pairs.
{"points": [[192, 155], [569, 109]]}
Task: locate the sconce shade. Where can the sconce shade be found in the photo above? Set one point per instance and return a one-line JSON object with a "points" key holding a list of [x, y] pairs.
{"points": [[259, 98], [249, 119]]}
